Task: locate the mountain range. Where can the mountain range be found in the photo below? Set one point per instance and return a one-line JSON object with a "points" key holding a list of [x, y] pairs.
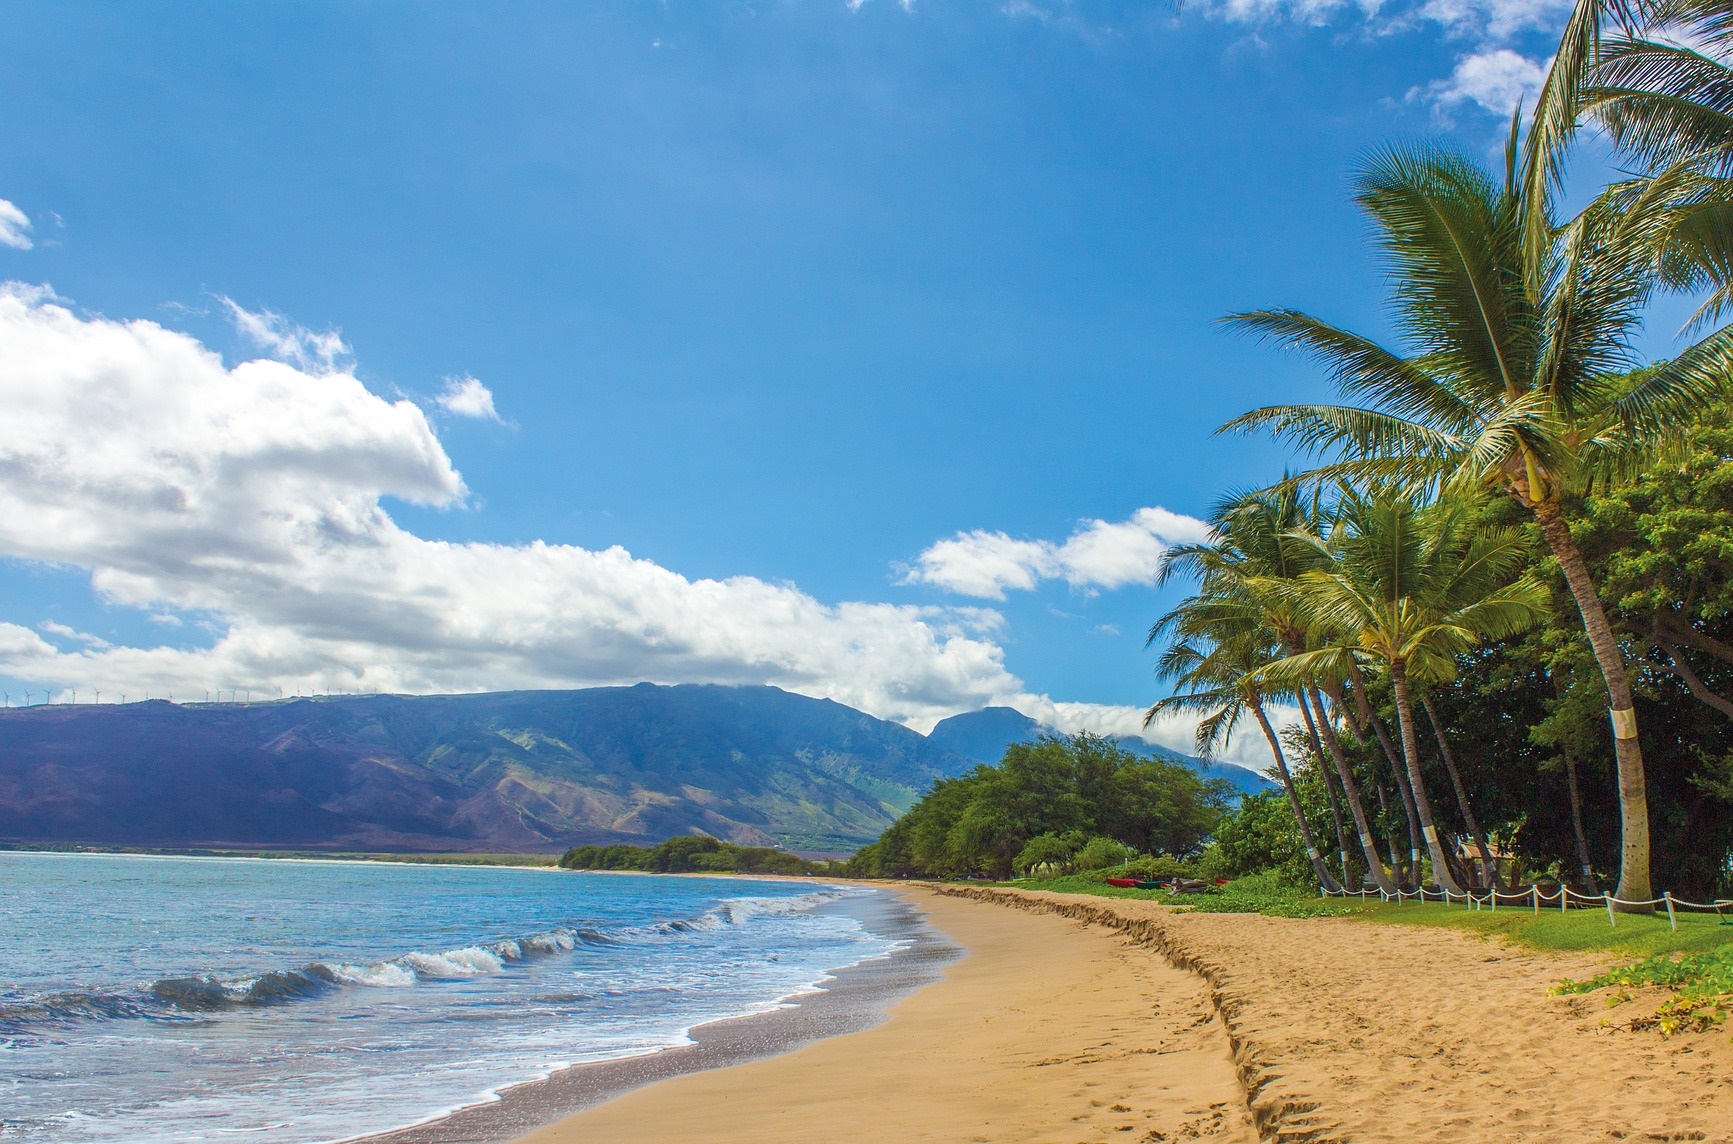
{"points": [[525, 771]]}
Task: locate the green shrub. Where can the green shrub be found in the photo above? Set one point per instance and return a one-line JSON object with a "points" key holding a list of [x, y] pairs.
{"points": [[1099, 853], [1149, 868]]}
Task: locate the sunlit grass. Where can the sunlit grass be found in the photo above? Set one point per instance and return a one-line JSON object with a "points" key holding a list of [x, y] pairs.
{"points": [[1582, 930]]}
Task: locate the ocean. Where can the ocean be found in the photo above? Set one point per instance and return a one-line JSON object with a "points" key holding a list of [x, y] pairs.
{"points": [[153, 999]]}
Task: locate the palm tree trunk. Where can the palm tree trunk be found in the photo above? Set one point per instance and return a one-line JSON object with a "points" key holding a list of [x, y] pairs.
{"points": [[1487, 870], [1390, 830], [1317, 859], [1411, 752], [1634, 875], [1364, 706], [1335, 800], [1583, 863], [1351, 792], [1402, 787]]}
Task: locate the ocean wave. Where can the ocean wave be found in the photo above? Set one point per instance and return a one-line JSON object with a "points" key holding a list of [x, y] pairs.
{"points": [[193, 997]]}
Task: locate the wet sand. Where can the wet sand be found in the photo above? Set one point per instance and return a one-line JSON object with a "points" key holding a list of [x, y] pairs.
{"points": [[1075, 1020], [856, 998], [1046, 1030]]}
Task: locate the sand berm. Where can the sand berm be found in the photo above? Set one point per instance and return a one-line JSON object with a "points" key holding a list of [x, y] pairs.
{"points": [[1075, 1020]]}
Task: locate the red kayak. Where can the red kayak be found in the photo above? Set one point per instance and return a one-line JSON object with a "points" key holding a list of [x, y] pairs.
{"points": [[1123, 883]]}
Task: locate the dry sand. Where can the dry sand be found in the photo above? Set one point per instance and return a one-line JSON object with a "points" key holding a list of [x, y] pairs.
{"points": [[1047, 1030], [1351, 1031], [1079, 1020]]}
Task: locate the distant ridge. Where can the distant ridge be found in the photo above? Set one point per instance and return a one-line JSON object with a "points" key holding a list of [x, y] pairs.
{"points": [[984, 735], [508, 771]]}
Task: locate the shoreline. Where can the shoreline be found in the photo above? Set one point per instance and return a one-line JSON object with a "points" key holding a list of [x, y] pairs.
{"points": [[1045, 1031], [852, 999]]}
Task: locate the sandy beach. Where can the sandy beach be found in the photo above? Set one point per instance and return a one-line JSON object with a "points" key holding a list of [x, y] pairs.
{"points": [[1047, 1030], [1078, 1020]]}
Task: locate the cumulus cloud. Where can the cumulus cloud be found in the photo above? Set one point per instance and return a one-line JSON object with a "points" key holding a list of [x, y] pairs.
{"points": [[1497, 80], [14, 225], [467, 397], [1098, 554], [251, 495]]}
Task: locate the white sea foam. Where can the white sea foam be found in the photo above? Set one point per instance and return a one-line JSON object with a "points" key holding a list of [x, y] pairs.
{"points": [[474, 979]]}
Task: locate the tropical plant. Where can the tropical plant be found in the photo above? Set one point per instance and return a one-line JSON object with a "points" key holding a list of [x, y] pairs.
{"points": [[1662, 90], [1408, 590], [1218, 686], [1258, 539], [1518, 376], [1074, 789]]}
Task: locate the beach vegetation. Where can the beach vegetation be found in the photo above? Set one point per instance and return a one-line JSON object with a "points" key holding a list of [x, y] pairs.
{"points": [[691, 854], [1089, 800], [1486, 632]]}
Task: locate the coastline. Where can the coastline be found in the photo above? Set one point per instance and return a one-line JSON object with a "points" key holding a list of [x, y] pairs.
{"points": [[854, 998], [1045, 1030]]}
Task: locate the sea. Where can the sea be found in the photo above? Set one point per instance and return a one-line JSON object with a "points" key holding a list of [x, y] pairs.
{"points": [[183, 999]]}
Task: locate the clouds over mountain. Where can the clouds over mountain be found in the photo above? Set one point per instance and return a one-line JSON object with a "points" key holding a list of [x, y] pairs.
{"points": [[252, 494]]}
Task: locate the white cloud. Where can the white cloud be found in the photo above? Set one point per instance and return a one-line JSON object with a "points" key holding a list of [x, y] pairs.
{"points": [[13, 225], [65, 632], [1098, 554], [1174, 731], [286, 341], [467, 397], [1496, 80], [251, 495], [1488, 20], [1496, 20]]}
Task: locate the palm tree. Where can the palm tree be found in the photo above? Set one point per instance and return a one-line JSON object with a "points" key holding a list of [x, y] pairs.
{"points": [[1219, 685], [1661, 89], [1408, 591], [1528, 393], [1261, 537]]}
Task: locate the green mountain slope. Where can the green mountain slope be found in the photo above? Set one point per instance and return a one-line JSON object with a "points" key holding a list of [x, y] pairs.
{"points": [[507, 771]]}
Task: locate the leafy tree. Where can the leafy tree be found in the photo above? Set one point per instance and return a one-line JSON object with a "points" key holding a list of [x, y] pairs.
{"points": [[1259, 835], [1518, 375], [1260, 540], [1100, 852], [1219, 685], [1056, 850], [1408, 590], [1064, 789]]}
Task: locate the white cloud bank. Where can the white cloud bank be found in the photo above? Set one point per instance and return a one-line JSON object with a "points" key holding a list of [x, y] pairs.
{"points": [[252, 495], [14, 227], [1098, 554]]}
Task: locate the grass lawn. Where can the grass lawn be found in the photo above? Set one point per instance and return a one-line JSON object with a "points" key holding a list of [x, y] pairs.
{"points": [[1587, 930]]}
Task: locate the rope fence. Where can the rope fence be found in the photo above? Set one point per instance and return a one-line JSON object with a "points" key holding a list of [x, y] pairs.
{"points": [[1535, 899]]}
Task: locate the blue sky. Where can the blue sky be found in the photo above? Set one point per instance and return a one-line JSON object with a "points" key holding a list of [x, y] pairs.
{"points": [[775, 297]]}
